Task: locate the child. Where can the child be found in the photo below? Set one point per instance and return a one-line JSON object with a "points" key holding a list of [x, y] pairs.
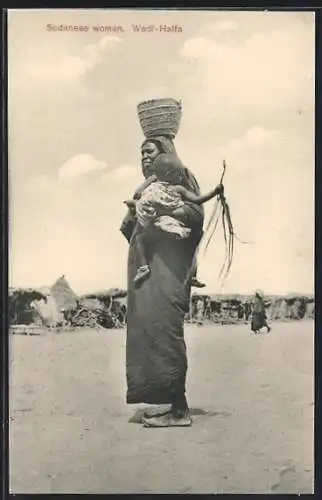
{"points": [[156, 199]]}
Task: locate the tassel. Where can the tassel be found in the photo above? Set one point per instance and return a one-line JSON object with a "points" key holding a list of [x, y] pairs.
{"points": [[221, 210]]}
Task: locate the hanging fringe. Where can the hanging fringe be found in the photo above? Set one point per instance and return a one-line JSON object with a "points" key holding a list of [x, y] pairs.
{"points": [[217, 212], [221, 211]]}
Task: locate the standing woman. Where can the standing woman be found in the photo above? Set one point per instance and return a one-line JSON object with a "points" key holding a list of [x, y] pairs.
{"points": [[156, 360], [259, 319]]}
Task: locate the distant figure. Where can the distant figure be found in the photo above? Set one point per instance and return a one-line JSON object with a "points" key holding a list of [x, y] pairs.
{"points": [[200, 312], [208, 308], [247, 311], [259, 319], [240, 311]]}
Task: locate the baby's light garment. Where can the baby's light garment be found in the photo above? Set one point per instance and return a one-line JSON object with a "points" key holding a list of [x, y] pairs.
{"points": [[172, 225], [161, 194]]}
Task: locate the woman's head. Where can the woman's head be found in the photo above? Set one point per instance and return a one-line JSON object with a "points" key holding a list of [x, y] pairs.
{"points": [[152, 148], [149, 152], [168, 168]]}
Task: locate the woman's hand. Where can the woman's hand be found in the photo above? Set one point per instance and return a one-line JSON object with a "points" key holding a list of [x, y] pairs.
{"points": [[131, 205], [219, 189]]}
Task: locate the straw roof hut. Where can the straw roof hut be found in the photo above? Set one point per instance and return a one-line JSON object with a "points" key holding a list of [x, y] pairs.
{"points": [[27, 294], [48, 309], [64, 296], [310, 310], [45, 303], [291, 306], [91, 304], [21, 301], [103, 295]]}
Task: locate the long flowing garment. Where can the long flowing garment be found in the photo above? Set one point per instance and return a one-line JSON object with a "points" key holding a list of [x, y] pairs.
{"points": [[156, 361], [259, 318]]}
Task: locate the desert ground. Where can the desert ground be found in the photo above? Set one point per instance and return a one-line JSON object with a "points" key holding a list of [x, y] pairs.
{"points": [[251, 398]]}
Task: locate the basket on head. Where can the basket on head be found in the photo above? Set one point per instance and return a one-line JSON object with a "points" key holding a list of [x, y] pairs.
{"points": [[160, 117], [259, 293]]}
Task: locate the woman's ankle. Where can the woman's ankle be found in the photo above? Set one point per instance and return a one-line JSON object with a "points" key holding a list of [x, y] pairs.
{"points": [[180, 407], [179, 412]]}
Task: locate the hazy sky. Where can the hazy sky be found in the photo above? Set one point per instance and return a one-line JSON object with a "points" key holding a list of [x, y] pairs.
{"points": [[246, 80]]}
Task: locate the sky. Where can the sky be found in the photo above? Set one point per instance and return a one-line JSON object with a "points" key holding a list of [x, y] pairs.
{"points": [[246, 82]]}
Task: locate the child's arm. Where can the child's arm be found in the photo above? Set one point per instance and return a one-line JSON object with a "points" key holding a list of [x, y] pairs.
{"points": [[144, 185], [138, 193], [199, 200]]}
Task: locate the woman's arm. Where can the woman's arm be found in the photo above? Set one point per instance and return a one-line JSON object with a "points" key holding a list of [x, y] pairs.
{"points": [[191, 214], [131, 204]]}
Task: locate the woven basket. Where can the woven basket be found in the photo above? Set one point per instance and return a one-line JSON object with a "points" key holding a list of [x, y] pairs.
{"points": [[160, 117]]}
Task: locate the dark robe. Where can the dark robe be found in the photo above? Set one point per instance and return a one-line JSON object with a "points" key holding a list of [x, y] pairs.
{"points": [[156, 361], [259, 319]]}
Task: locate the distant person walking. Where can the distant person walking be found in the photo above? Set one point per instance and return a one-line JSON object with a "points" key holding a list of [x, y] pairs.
{"points": [[200, 311], [208, 308], [259, 319]]}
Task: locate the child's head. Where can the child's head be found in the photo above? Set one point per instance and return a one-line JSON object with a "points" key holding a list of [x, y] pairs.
{"points": [[168, 168]]}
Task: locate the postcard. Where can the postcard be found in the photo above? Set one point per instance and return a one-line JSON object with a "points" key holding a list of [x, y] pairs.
{"points": [[161, 269]]}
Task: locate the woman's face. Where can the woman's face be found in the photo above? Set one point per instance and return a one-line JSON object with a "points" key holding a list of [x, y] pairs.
{"points": [[149, 152]]}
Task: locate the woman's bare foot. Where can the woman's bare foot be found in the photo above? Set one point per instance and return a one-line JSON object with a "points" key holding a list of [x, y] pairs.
{"points": [[168, 420], [157, 411]]}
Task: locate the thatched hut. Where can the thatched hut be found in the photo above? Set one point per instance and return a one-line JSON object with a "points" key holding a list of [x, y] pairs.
{"points": [[279, 310], [41, 306], [64, 296], [310, 309], [106, 295], [232, 308], [114, 301], [296, 306], [48, 309], [21, 310], [219, 307]]}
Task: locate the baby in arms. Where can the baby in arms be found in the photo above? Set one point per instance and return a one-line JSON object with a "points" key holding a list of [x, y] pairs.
{"points": [[154, 201]]}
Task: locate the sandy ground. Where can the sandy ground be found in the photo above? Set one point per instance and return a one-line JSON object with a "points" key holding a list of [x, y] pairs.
{"points": [[251, 400]]}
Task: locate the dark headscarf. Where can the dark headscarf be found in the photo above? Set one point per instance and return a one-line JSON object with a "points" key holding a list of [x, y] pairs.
{"points": [[164, 144]]}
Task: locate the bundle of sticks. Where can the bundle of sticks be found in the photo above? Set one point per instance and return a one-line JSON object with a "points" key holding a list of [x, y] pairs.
{"points": [[221, 211]]}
